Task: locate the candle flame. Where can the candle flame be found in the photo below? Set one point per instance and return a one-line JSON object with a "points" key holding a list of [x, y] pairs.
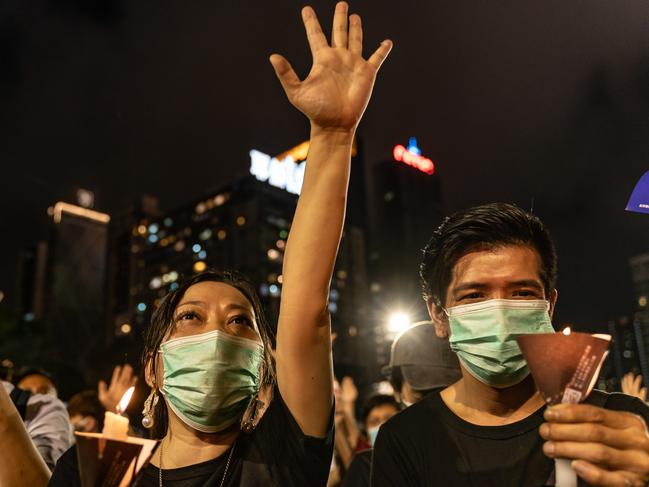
{"points": [[566, 330], [126, 398]]}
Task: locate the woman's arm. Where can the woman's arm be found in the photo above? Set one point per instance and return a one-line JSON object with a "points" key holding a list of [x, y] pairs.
{"points": [[333, 97], [20, 462]]}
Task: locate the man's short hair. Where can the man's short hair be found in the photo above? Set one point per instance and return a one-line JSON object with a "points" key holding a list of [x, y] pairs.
{"points": [[483, 227], [86, 403], [376, 401]]}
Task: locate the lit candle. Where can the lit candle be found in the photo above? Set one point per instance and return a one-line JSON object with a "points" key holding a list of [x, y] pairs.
{"points": [[116, 425]]}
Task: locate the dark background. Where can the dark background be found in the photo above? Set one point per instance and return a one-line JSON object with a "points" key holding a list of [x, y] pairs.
{"points": [[542, 103]]}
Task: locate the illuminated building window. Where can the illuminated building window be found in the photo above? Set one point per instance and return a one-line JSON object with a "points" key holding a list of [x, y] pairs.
{"points": [[200, 266], [222, 234], [241, 220]]}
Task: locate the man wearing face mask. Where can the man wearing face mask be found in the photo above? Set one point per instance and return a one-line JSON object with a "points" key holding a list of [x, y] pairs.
{"points": [[489, 274]]}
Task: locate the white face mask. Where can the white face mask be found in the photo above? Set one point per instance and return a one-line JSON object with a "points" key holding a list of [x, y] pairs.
{"points": [[372, 434]]}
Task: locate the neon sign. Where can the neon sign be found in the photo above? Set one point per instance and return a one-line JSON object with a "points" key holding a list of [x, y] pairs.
{"points": [[412, 156], [284, 174]]}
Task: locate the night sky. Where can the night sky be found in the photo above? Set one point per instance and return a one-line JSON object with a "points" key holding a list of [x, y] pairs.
{"points": [[539, 102]]}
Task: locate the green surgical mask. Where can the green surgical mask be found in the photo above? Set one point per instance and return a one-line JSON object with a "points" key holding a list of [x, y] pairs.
{"points": [[484, 337], [210, 378]]}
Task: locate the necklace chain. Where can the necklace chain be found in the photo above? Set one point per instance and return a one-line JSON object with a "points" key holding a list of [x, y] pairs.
{"points": [[225, 472]]}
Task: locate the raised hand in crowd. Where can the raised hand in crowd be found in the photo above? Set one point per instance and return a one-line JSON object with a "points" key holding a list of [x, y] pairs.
{"points": [[110, 395], [632, 385]]}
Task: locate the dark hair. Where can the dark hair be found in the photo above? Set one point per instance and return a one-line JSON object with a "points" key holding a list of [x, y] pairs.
{"points": [[86, 403], [27, 371], [376, 401], [162, 322], [397, 379], [483, 227]]}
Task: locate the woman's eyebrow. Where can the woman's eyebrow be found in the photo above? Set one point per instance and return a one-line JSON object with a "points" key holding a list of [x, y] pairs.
{"points": [[197, 303]]}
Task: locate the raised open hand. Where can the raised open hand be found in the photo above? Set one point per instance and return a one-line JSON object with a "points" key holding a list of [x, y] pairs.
{"points": [[336, 92], [632, 385], [122, 379]]}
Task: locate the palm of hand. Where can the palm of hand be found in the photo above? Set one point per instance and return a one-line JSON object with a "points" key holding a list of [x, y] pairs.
{"points": [[337, 89], [336, 92]]}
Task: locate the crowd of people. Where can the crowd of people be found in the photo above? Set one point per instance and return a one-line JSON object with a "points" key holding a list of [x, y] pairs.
{"points": [[231, 405]]}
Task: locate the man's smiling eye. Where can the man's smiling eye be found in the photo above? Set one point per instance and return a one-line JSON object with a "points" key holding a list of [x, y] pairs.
{"points": [[475, 295], [525, 293]]}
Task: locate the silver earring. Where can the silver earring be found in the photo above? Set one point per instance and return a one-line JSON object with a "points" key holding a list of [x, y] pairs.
{"points": [[149, 408]]}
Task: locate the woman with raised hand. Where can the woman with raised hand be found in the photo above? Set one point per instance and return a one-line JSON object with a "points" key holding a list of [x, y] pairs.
{"points": [[228, 411]]}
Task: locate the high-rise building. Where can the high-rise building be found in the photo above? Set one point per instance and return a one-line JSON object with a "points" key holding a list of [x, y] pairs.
{"points": [[405, 209], [243, 226]]}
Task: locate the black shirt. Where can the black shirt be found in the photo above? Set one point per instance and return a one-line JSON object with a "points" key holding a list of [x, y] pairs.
{"points": [[276, 453], [427, 444], [358, 474]]}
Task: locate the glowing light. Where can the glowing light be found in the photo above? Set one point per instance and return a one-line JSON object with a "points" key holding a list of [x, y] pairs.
{"points": [[642, 302], [412, 157], [28, 316], [274, 290], [221, 234], [168, 222], [153, 228], [179, 246], [196, 248], [205, 234], [199, 266], [341, 274], [280, 244], [155, 283], [273, 254], [200, 208], [126, 398], [2, 296], [202, 254], [283, 234], [141, 307], [398, 322], [153, 238], [280, 279], [284, 174], [333, 307], [61, 207], [141, 229], [219, 199], [173, 286], [125, 328], [241, 220], [566, 331]]}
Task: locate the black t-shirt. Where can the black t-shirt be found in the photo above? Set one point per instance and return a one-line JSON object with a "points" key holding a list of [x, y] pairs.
{"points": [[428, 445], [276, 453], [358, 474]]}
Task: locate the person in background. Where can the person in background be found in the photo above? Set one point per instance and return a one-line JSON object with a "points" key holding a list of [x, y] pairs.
{"points": [[420, 362], [86, 412], [632, 385], [37, 381], [43, 418], [488, 274]]}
